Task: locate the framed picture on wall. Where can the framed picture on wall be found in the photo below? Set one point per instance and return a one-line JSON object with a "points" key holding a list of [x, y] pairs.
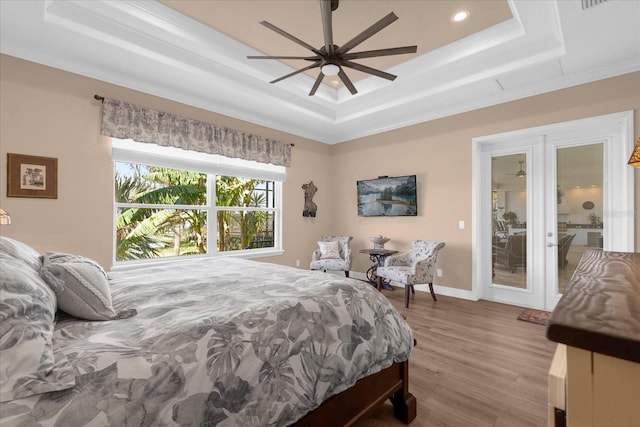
{"points": [[32, 176], [388, 196]]}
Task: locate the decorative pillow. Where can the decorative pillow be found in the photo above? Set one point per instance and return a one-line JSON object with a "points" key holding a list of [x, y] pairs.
{"points": [[80, 284], [15, 249], [30, 363], [329, 250]]}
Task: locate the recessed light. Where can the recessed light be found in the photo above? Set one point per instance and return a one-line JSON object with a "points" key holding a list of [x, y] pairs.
{"points": [[460, 16]]}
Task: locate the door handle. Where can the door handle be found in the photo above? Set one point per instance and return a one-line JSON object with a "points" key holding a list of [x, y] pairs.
{"points": [[550, 245]]}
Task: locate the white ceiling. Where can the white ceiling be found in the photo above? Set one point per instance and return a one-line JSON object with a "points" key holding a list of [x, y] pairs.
{"points": [[148, 46]]}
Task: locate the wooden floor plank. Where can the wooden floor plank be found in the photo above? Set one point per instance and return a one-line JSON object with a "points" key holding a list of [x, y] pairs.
{"points": [[475, 365]]}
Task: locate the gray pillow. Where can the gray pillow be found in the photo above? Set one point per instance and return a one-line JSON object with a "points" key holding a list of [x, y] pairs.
{"points": [[15, 249], [80, 284], [30, 361]]}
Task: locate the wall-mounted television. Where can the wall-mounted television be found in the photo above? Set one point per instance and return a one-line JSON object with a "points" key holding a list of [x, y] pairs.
{"points": [[388, 196]]}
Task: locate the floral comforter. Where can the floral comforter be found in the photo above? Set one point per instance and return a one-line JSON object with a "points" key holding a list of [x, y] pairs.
{"points": [[218, 342]]}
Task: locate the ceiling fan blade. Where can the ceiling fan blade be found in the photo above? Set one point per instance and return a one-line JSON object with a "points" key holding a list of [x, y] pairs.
{"points": [[301, 70], [368, 70], [347, 82], [316, 85], [381, 52], [291, 37], [327, 28], [306, 58], [387, 20]]}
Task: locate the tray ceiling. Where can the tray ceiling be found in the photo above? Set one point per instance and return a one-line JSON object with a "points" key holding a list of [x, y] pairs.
{"points": [[194, 52]]}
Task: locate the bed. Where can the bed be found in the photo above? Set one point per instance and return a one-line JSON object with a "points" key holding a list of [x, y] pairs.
{"points": [[200, 342]]}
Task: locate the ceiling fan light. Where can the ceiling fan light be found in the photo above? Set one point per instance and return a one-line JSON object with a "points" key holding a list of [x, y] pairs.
{"points": [[330, 69]]}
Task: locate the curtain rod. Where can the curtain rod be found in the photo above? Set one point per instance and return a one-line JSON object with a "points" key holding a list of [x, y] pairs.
{"points": [[101, 99]]}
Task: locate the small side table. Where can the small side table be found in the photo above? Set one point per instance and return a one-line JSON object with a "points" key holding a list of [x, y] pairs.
{"points": [[377, 257]]}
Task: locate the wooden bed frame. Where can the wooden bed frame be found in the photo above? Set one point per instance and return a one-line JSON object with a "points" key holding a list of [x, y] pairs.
{"points": [[346, 408]]}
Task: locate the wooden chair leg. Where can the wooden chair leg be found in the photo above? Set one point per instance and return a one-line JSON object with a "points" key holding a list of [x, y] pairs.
{"points": [[406, 295], [413, 290], [346, 273], [379, 280], [433, 294]]}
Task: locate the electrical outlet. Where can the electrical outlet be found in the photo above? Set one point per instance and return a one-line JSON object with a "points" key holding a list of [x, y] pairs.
{"points": [[297, 263], [461, 225], [439, 272]]}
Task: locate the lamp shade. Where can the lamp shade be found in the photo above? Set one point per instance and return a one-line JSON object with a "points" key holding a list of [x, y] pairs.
{"points": [[634, 160], [5, 218]]}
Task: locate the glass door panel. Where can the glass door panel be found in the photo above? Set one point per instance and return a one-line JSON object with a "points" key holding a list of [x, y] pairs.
{"points": [[580, 207], [509, 210]]}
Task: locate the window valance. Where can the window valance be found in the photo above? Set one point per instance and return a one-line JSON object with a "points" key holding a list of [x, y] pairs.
{"points": [[127, 121]]}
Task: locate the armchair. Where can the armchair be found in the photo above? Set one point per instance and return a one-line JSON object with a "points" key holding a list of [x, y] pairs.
{"points": [[513, 254], [564, 243], [333, 253], [414, 267]]}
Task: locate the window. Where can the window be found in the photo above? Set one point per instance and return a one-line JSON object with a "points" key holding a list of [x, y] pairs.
{"points": [[171, 203]]}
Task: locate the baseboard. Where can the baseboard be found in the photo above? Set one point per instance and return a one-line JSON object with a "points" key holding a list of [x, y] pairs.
{"points": [[438, 289]]}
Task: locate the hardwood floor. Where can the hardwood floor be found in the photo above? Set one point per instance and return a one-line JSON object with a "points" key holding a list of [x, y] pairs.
{"points": [[475, 365]]}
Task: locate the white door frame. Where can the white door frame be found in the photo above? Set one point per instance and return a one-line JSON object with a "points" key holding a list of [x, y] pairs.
{"points": [[618, 190]]}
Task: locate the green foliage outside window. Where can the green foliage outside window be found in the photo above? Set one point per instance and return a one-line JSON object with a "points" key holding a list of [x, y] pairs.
{"points": [[151, 222]]}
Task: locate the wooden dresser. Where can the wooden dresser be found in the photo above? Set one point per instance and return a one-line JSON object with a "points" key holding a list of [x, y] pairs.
{"points": [[598, 319]]}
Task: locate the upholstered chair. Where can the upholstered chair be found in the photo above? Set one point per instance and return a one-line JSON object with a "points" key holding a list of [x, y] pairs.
{"points": [[333, 253], [514, 253], [414, 267]]}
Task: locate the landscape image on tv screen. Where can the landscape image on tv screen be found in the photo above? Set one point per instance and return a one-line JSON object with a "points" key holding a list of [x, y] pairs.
{"points": [[388, 196]]}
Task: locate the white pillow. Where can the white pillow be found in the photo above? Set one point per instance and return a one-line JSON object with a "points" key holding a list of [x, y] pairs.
{"points": [[329, 250], [80, 284], [30, 362], [16, 249]]}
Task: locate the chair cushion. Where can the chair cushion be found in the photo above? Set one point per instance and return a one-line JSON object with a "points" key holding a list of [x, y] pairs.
{"points": [[398, 274], [329, 264]]}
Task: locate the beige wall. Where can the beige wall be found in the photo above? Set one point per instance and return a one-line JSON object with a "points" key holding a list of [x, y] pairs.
{"points": [[439, 153], [52, 113], [48, 112]]}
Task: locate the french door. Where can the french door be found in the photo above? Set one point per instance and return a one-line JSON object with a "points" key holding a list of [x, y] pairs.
{"points": [[544, 196]]}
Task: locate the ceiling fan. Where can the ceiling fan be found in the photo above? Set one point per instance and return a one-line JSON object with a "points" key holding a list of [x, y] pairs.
{"points": [[331, 58], [521, 173]]}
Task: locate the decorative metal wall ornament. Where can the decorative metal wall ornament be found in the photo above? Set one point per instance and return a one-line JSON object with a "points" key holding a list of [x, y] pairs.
{"points": [[310, 207]]}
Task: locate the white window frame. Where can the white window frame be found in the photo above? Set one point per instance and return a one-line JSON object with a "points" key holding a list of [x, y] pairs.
{"points": [[128, 151]]}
